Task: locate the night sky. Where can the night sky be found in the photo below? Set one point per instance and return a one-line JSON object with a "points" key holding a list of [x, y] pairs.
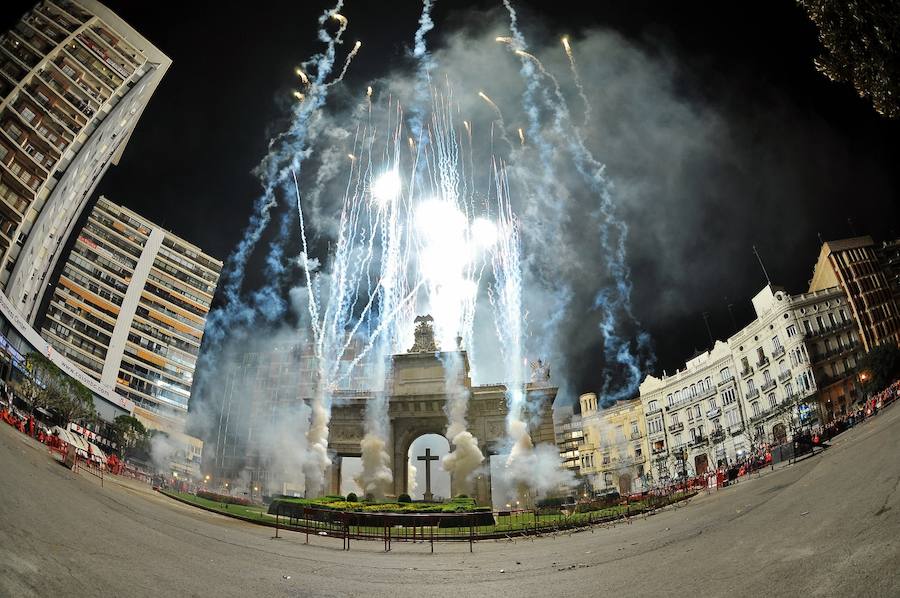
{"points": [[812, 154]]}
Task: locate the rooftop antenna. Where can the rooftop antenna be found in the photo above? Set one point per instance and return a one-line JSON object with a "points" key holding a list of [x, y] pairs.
{"points": [[708, 330], [731, 315], [761, 265]]}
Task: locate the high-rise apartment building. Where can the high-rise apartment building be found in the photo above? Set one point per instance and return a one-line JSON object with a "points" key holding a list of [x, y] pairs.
{"points": [[568, 434], [130, 308], [74, 79], [854, 265]]}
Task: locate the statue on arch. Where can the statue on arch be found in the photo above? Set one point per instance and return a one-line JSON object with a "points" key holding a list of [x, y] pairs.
{"points": [[424, 335]]}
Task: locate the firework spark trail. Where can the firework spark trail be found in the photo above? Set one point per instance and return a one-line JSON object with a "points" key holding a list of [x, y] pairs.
{"points": [[423, 72], [616, 348], [347, 62], [545, 193], [577, 79], [237, 314], [506, 301]]}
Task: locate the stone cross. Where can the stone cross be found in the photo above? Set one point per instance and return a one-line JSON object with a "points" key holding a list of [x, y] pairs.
{"points": [[428, 458]]}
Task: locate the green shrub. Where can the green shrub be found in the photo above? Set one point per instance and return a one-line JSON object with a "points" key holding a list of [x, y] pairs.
{"points": [[352, 497], [404, 498]]}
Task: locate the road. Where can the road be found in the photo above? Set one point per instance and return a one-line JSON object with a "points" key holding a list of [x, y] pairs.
{"points": [[826, 526]]}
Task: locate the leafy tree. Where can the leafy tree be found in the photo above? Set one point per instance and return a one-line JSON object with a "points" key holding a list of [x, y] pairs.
{"points": [[862, 45], [74, 402], [404, 498], [879, 367], [352, 497], [131, 435], [40, 387]]}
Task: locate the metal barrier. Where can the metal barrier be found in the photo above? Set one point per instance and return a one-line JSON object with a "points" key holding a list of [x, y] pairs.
{"points": [[452, 527]]}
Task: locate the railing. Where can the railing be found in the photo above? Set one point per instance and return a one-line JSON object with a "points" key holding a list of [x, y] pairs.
{"points": [[727, 380], [778, 352], [746, 371], [708, 392], [735, 429], [762, 362], [784, 376], [699, 441], [717, 436], [713, 413], [635, 435], [429, 528], [770, 384], [752, 394], [761, 416], [676, 427]]}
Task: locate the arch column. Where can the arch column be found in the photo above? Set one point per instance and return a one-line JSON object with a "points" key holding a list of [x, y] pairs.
{"points": [[335, 475]]}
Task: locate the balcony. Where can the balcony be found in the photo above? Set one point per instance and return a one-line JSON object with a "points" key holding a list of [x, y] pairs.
{"points": [[752, 394], [653, 411], [762, 415], [676, 427], [735, 429], [708, 392], [717, 436], [699, 441], [784, 376], [635, 435], [658, 450], [727, 380], [768, 385], [747, 371], [762, 362], [778, 352], [713, 413]]}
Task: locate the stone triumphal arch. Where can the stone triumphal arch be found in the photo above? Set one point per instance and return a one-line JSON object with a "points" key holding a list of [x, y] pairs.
{"points": [[417, 391]]}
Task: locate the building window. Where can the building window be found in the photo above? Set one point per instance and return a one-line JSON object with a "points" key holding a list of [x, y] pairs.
{"points": [[634, 428], [751, 385], [670, 400], [728, 396], [791, 331], [755, 407], [776, 344], [725, 374], [732, 417], [772, 400], [843, 315], [653, 405], [767, 376]]}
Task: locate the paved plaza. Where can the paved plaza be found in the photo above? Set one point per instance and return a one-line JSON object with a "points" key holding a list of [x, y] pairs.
{"points": [[824, 527]]}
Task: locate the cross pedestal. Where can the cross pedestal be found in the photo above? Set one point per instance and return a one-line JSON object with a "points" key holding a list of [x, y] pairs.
{"points": [[428, 458]]}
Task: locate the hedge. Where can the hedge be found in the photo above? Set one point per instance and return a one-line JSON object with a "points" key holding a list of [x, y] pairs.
{"points": [[224, 498]]}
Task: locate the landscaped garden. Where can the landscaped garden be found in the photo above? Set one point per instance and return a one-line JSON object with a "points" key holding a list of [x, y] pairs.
{"points": [[457, 517]]}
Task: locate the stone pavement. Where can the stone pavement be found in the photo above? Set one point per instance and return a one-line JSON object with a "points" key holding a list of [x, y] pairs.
{"points": [[826, 526]]}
